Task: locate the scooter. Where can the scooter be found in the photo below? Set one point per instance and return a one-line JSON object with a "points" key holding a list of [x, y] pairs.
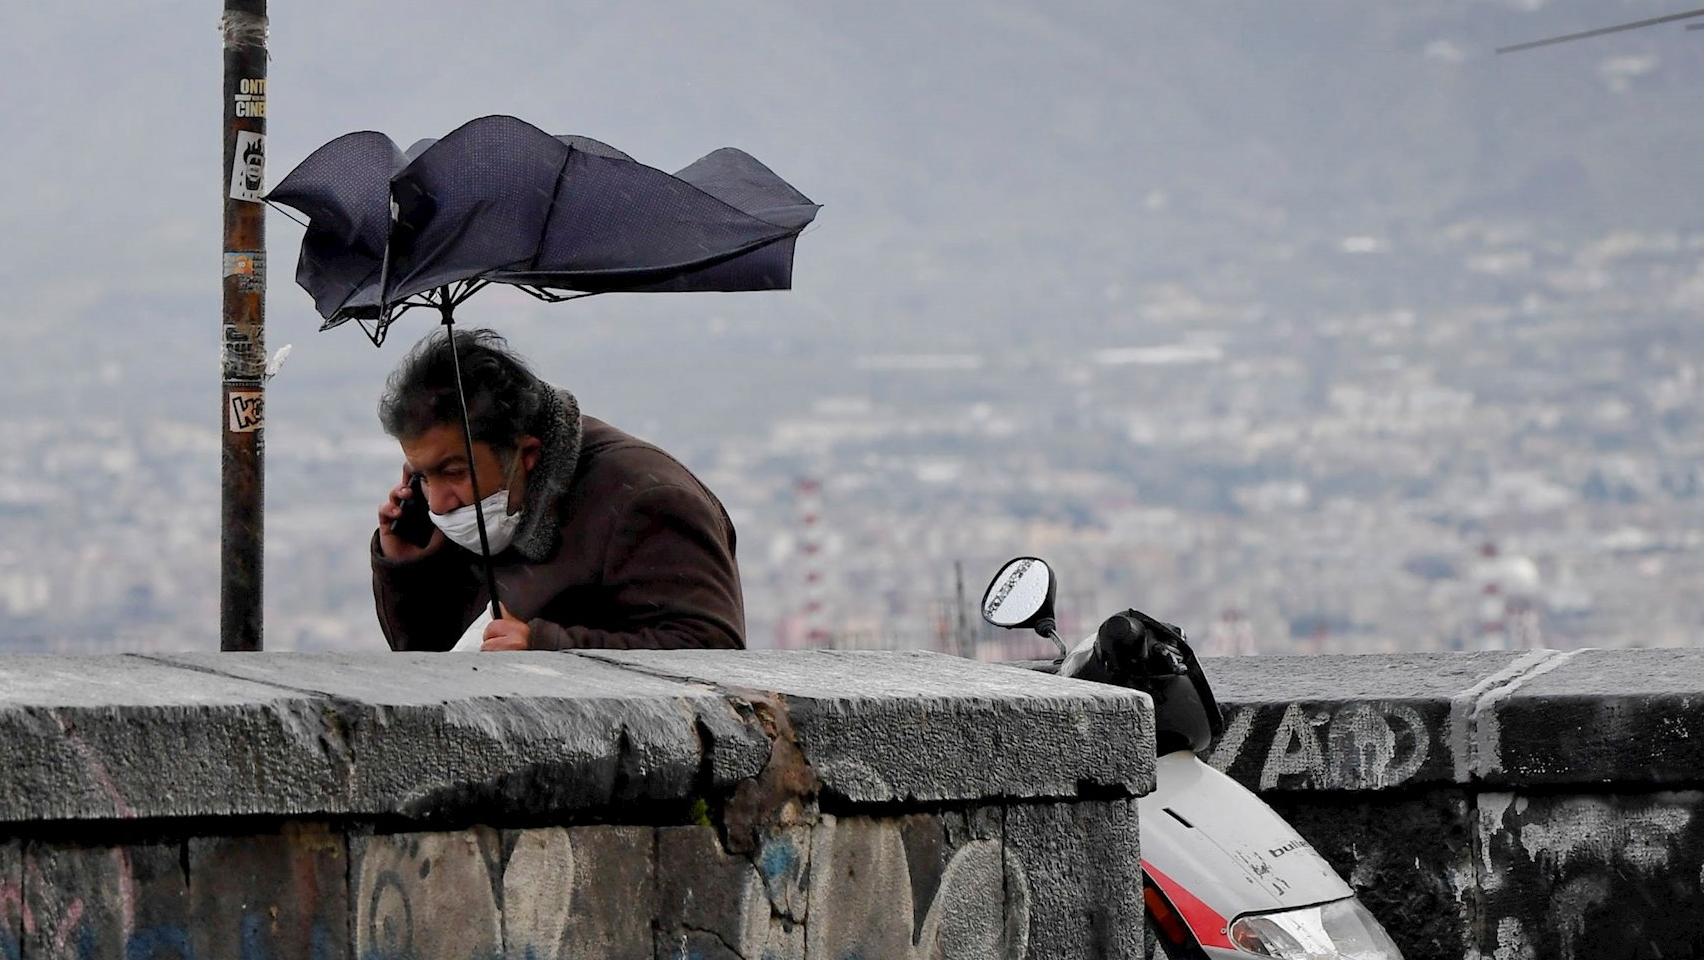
{"points": [[1224, 877]]}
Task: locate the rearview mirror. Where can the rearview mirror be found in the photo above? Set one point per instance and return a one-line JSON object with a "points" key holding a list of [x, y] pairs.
{"points": [[1021, 595]]}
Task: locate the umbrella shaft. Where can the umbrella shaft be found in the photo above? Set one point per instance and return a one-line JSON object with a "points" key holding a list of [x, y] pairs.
{"points": [[446, 307]]}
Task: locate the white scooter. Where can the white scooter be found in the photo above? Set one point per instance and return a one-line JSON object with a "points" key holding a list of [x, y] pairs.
{"points": [[1223, 875]]}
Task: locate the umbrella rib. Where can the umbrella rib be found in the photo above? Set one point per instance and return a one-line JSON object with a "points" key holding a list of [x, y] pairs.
{"points": [[540, 293], [286, 211], [470, 288], [551, 208]]}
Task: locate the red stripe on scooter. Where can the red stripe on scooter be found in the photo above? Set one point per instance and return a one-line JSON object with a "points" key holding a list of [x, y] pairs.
{"points": [[1208, 926]]}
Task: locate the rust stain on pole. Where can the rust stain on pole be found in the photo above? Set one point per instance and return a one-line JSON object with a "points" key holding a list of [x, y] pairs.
{"points": [[242, 393]]}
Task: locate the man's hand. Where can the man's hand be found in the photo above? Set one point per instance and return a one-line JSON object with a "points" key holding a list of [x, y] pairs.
{"points": [[510, 633], [391, 546]]}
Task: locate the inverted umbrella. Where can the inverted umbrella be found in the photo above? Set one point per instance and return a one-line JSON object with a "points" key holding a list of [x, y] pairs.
{"points": [[498, 200]]}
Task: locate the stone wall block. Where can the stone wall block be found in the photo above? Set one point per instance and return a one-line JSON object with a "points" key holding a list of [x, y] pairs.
{"points": [[715, 905], [861, 890], [784, 861], [921, 727], [898, 887], [586, 893], [1589, 876], [105, 903], [266, 896], [1335, 745], [426, 895], [1081, 864], [95, 737], [1597, 716], [537, 733]]}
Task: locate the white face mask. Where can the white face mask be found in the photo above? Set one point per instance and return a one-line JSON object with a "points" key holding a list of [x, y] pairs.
{"points": [[462, 525]]}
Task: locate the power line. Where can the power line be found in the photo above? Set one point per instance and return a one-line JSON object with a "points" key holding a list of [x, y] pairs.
{"points": [[1566, 38]]}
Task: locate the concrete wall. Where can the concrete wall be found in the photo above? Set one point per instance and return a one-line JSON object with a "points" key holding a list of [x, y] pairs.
{"points": [[1509, 806], [813, 805], [667, 805]]}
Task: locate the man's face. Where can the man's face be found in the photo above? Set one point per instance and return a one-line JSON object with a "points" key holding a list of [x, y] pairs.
{"points": [[440, 457], [252, 171]]}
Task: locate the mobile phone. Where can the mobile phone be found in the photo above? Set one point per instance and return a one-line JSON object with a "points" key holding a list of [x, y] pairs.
{"points": [[414, 526]]}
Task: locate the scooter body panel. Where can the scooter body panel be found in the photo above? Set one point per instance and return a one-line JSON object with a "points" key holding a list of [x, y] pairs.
{"points": [[1206, 835]]}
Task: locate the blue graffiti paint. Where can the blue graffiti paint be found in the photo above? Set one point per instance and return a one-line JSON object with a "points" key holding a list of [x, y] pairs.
{"points": [[320, 942], [10, 948], [164, 942], [253, 934], [778, 858]]}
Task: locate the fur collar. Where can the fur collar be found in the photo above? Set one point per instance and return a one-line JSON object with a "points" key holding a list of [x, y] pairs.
{"points": [[559, 433]]}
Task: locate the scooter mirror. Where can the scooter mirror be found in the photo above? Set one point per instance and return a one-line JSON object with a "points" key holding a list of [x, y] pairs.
{"points": [[1021, 595]]}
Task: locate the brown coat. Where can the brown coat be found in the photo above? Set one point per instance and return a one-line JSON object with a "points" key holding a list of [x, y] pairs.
{"points": [[644, 559]]}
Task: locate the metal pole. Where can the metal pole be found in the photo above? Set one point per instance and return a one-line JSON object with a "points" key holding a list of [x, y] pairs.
{"points": [[242, 393], [962, 629]]}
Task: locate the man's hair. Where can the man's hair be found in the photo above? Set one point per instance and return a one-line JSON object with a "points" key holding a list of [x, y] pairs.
{"points": [[504, 397]]}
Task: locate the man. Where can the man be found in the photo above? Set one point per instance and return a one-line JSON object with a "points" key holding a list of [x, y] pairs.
{"points": [[598, 539]]}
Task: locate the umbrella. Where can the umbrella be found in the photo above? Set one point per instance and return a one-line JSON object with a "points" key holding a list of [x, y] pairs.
{"points": [[498, 200]]}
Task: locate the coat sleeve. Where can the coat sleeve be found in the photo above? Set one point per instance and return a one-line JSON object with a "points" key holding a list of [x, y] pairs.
{"points": [[670, 570], [424, 604]]}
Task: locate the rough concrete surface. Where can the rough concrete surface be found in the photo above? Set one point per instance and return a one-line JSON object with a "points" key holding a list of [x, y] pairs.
{"points": [[879, 727], [1410, 859], [1589, 876], [1373, 722], [1601, 716], [529, 732], [122, 736], [1082, 866], [1515, 806], [1343, 722], [428, 735]]}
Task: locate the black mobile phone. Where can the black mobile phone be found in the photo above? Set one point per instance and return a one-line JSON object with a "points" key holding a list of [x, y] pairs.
{"points": [[414, 526]]}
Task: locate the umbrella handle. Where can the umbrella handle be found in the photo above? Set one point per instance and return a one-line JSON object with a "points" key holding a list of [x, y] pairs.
{"points": [[446, 308]]}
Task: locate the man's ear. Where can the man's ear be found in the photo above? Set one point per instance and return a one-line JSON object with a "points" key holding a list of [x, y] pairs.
{"points": [[530, 448]]}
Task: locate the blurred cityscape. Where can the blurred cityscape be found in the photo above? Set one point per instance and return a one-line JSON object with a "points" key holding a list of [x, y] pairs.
{"points": [[1513, 459], [1307, 328]]}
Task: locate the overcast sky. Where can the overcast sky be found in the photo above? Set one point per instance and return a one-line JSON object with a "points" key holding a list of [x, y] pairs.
{"points": [[907, 120]]}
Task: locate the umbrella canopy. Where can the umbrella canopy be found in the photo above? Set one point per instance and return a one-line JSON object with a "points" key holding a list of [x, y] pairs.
{"points": [[499, 200]]}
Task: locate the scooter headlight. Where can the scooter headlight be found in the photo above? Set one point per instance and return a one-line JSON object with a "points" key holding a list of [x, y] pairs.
{"points": [[1341, 930]]}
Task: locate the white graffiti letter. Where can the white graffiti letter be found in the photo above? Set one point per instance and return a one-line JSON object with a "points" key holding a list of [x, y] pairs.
{"points": [[1283, 760]]}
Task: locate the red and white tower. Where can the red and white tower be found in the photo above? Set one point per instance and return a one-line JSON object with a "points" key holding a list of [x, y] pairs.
{"points": [[814, 619], [1509, 614], [1231, 635]]}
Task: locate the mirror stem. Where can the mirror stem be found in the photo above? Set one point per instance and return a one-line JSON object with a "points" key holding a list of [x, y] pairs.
{"points": [[1045, 626]]}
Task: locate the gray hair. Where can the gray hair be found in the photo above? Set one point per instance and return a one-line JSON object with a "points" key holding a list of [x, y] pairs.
{"points": [[504, 397]]}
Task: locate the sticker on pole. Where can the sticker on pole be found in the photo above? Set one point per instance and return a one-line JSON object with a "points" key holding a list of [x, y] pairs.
{"points": [[248, 166], [248, 411], [249, 267], [250, 100], [243, 358]]}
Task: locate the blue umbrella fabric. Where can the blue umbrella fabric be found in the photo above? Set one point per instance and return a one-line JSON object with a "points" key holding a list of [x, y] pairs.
{"points": [[499, 200]]}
